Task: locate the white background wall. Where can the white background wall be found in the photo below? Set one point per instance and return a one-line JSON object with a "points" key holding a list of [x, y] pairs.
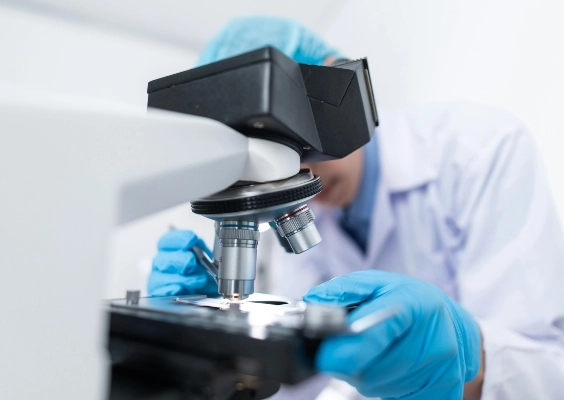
{"points": [[55, 54], [64, 55], [504, 52]]}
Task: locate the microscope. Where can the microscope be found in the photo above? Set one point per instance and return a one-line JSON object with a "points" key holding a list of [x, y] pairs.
{"points": [[192, 347], [293, 113]]}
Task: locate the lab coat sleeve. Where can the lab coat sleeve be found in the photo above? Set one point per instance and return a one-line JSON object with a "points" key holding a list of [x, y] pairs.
{"points": [[510, 270]]}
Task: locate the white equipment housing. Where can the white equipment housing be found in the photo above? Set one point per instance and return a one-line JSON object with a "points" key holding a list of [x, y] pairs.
{"points": [[69, 174]]}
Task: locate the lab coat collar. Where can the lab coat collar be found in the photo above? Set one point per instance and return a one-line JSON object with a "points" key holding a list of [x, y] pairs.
{"points": [[405, 153], [406, 163], [382, 224], [350, 257]]}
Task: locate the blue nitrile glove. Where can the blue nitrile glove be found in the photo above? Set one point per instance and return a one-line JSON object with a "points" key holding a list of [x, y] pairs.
{"points": [[241, 35], [176, 270], [426, 351]]}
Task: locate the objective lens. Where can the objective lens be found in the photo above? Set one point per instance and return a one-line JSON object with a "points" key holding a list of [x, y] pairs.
{"points": [[299, 229], [237, 262]]}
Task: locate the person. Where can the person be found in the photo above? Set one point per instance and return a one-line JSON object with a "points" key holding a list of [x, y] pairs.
{"points": [[446, 214]]}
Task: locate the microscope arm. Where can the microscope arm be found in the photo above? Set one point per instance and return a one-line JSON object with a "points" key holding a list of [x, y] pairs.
{"points": [[202, 157]]}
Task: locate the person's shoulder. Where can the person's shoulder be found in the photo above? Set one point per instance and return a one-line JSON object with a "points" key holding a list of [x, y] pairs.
{"points": [[423, 143], [468, 124]]}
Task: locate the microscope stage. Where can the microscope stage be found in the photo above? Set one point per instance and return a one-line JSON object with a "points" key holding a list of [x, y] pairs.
{"points": [[262, 336]]}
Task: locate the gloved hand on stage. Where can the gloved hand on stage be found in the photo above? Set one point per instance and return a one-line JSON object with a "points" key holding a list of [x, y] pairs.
{"points": [[241, 35], [176, 270], [427, 350]]}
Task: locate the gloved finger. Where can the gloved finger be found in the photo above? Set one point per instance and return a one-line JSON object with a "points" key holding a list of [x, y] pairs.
{"points": [[181, 240], [351, 289], [177, 262], [351, 355], [396, 364], [165, 284], [177, 240]]}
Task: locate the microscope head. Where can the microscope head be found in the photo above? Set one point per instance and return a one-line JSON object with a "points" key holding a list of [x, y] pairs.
{"points": [[320, 113]]}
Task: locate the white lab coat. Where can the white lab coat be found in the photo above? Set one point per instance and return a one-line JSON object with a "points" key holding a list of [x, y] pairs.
{"points": [[462, 202]]}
